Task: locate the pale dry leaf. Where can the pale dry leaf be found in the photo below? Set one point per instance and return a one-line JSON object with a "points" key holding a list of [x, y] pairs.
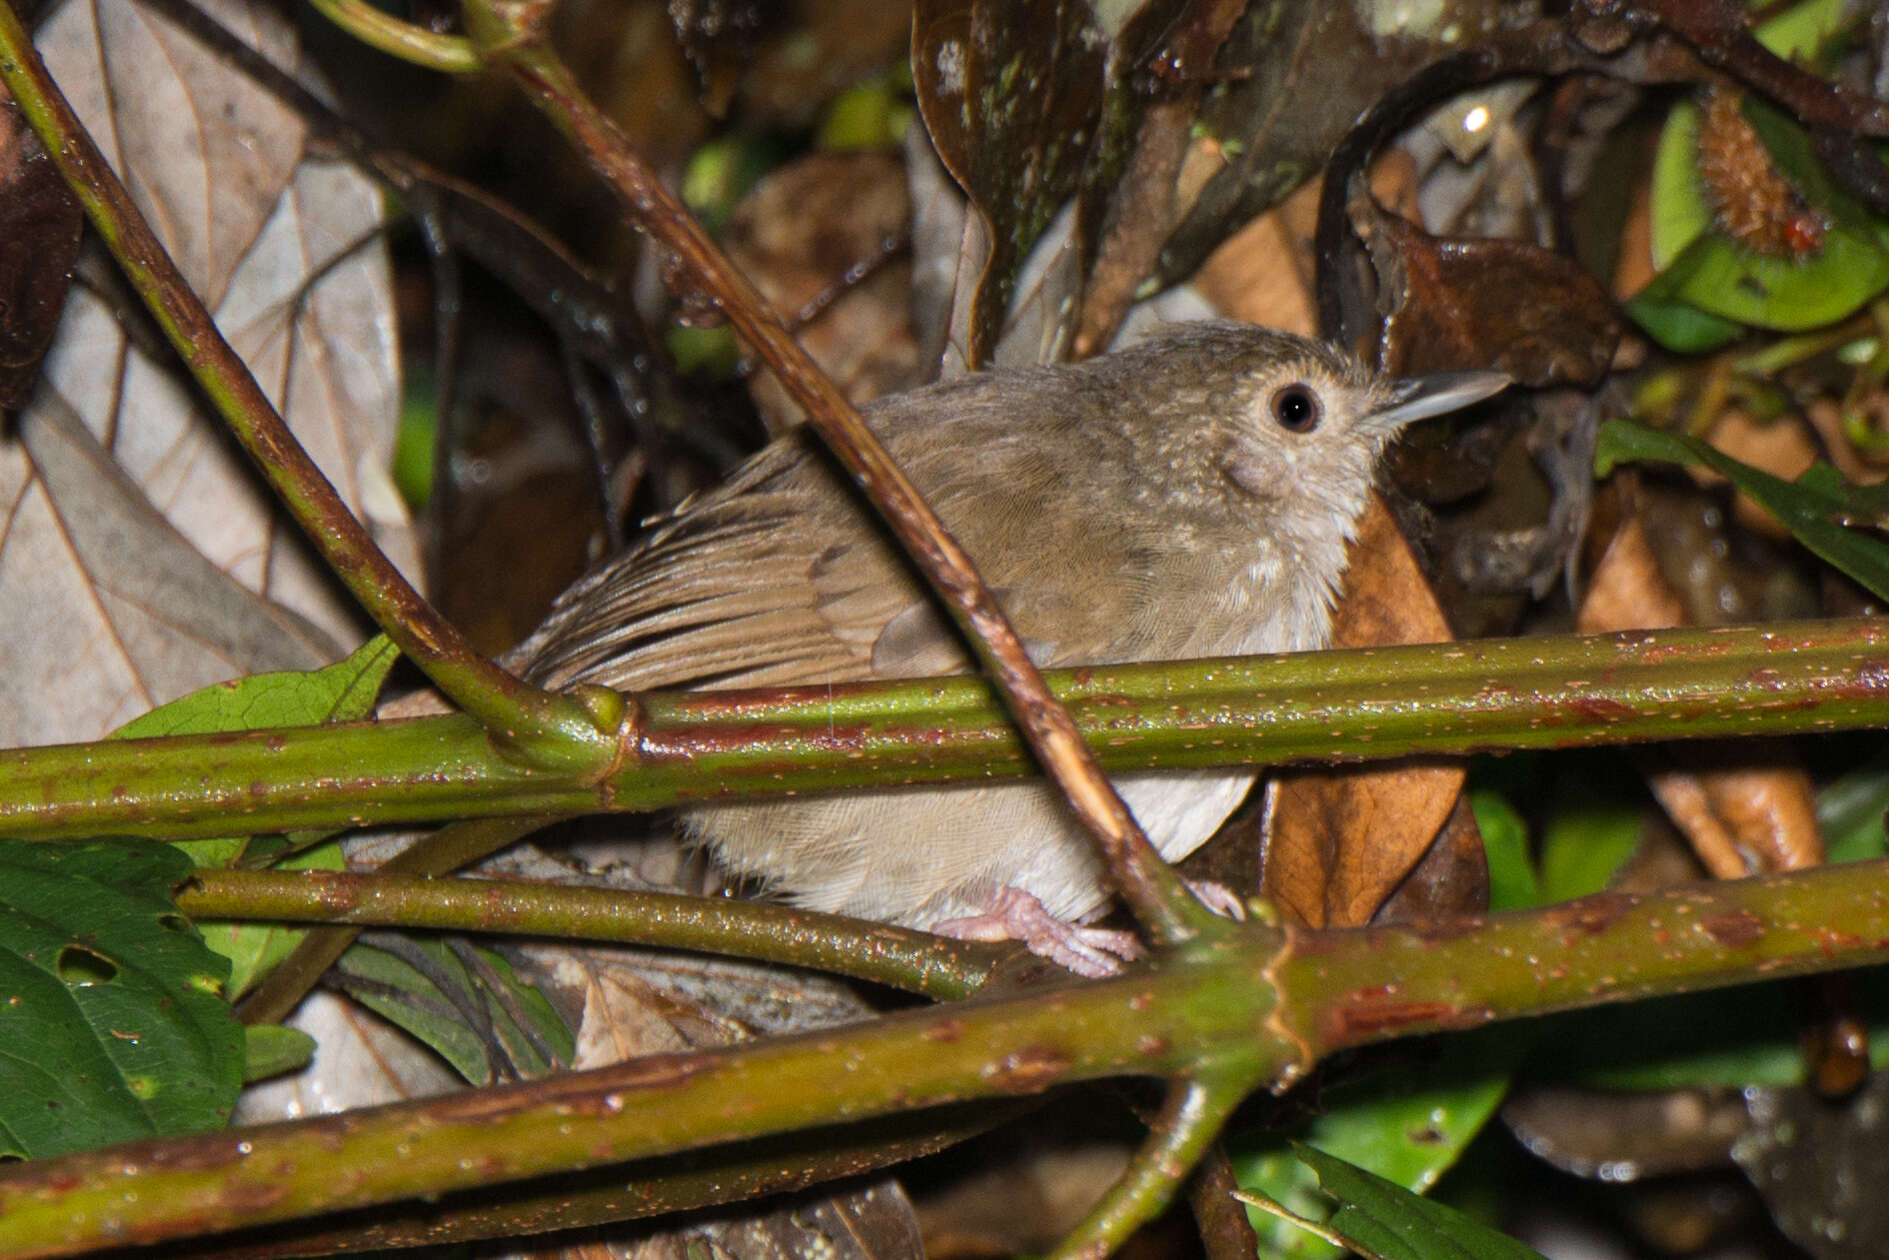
{"points": [[363, 1061], [287, 249]]}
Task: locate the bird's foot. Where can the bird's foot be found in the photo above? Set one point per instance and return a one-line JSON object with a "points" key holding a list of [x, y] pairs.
{"points": [[1218, 898], [1015, 915]]}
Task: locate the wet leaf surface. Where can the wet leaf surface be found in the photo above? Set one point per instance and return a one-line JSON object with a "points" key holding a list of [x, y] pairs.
{"points": [[1013, 99], [1507, 306]]}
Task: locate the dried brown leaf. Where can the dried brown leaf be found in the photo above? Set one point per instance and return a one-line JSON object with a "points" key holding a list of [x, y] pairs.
{"points": [[40, 222], [816, 237], [1479, 304], [1744, 808], [1339, 841]]}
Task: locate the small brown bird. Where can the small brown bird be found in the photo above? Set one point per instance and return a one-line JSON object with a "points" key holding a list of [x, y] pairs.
{"points": [[1190, 496]]}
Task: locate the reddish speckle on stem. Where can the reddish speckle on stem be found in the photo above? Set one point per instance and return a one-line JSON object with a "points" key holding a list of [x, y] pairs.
{"points": [[946, 1031], [1735, 929], [1591, 915], [1028, 1069]]}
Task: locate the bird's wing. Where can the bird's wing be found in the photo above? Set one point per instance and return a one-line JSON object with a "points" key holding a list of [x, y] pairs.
{"points": [[782, 575]]}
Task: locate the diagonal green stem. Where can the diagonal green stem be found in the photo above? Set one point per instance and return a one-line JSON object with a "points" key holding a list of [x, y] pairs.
{"points": [[1190, 1120], [549, 729]]}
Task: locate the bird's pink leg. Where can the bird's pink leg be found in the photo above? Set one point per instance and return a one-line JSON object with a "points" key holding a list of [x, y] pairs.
{"points": [[1015, 915]]}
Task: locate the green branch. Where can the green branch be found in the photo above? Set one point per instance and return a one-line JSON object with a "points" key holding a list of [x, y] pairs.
{"points": [[917, 962], [1257, 1008], [680, 747]]}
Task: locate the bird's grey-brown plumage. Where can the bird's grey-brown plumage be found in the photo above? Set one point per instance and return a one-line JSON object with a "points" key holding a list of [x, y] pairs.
{"points": [[1146, 505]]}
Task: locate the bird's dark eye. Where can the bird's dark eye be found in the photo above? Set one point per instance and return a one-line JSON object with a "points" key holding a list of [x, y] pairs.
{"points": [[1297, 409]]}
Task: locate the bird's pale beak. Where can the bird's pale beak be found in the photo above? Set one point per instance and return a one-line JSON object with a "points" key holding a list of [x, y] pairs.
{"points": [[1420, 397]]}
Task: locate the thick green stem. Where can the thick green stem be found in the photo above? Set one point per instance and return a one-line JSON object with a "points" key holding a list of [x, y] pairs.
{"points": [[1378, 984], [681, 747], [146, 1192], [1247, 1008], [548, 729]]}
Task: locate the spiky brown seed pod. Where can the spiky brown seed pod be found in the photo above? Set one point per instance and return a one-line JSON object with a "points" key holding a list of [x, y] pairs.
{"points": [[1751, 200]]}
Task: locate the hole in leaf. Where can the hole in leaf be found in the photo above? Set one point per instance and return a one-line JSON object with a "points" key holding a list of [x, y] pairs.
{"points": [[173, 922], [81, 966]]}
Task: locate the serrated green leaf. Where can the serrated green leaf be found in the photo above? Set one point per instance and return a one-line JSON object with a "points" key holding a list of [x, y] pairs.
{"points": [[1818, 508], [114, 1025], [1383, 1219]]}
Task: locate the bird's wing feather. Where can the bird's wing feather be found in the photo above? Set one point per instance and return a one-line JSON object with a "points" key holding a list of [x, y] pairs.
{"points": [[782, 575]]}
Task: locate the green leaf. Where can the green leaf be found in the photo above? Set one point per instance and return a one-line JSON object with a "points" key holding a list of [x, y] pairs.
{"points": [[1412, 1136], [1818, 508], [272, 1049], [1850, 814], [1680, 328], [1512, 882], [1800, 33], [342, 692], [114, 1025], [430, 991], [1709, 285], [1381, 1218], [1719, 277], [415, 439], [1679, 213], [1597, 803]]}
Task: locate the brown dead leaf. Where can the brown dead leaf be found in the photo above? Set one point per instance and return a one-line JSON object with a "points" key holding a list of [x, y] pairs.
{"points": [[1743, 808], [1627, 591], [806, 235], [1507, 305], [1782, 447], [1266, 271], [94, 614], [1338, 841], [1450, 880]]}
